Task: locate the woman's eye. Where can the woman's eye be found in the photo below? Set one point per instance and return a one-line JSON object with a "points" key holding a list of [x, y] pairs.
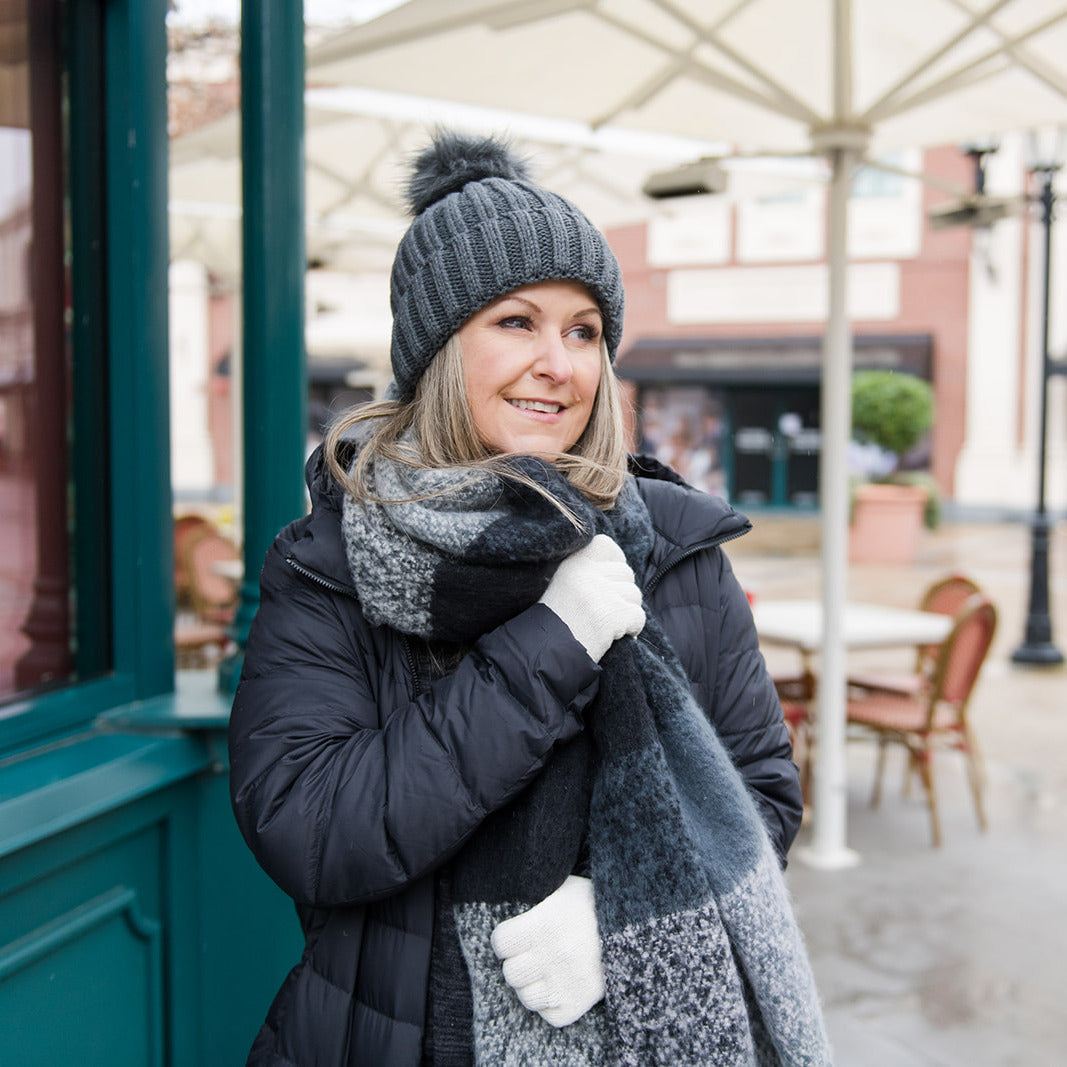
{"points": [[516, 322], [586, 333]]}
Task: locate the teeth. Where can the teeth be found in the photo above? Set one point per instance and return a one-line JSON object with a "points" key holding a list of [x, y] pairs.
{"points": [[535, 405]]}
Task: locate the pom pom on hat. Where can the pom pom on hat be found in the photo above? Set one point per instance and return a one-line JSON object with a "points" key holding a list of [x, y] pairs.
{"points": [[482, 229], [452, 160]]}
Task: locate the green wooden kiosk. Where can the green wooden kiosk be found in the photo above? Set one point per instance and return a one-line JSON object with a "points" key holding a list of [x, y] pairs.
{"points": [[135, 928]]}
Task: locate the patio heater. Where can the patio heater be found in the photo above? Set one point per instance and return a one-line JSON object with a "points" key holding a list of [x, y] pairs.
{"points": [[1037, 647]]}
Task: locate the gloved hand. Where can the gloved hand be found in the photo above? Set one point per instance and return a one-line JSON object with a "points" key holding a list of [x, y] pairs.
{"points": [[551, 954], [593, 591]]}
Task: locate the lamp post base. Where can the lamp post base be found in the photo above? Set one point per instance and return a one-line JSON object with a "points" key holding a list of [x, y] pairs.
{"points": [[1042, 653], [1037, 647]]}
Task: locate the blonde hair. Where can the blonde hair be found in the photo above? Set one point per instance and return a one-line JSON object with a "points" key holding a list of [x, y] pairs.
{"points": [[443, 434]]}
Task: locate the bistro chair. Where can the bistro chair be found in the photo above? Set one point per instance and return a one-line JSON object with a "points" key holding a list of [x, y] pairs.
{"points": [[796, 693], [935, 716], [945, 597], [186, 529], [207, 598], [213, 595]]}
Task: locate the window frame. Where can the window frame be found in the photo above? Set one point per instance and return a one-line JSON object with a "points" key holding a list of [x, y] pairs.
{"points": [[115, 58]]}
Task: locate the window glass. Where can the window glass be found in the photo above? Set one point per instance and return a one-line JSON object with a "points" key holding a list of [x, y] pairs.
{"points": [[682, 426], [874, 182], [38, 642]]}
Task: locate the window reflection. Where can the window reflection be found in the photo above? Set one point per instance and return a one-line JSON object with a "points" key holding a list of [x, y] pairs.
{"points": [[682, 426], [36, 636]]}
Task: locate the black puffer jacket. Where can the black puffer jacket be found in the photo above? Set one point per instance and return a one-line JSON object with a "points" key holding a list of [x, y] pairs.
{"points": [[352, 780]]}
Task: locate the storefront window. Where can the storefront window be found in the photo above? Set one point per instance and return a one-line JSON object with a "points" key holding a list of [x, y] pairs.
{"points": [[682, 426], [38, 638], [755, 446]]}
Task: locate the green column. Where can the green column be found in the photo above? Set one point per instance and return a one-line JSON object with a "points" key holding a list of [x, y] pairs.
{"points": [[142, 522], [274, 379]]}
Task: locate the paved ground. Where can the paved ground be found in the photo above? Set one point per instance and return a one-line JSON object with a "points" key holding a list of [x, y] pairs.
{"points": [[958, 955]]}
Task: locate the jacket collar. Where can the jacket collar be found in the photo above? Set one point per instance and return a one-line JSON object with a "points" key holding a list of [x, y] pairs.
{"points": [[314, 543], [685, 519]]}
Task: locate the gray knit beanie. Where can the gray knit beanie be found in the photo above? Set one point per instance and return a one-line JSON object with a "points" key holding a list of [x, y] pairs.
{"points": [[482, 229]]}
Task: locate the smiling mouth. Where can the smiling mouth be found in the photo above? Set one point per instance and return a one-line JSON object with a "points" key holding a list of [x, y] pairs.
{"points": [[536, 405]]}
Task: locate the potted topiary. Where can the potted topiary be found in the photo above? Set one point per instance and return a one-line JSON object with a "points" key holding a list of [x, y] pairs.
{"points": [[891, 414]]}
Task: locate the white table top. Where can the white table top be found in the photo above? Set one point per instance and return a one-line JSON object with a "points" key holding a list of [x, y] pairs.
{"points": [[798, 624]]}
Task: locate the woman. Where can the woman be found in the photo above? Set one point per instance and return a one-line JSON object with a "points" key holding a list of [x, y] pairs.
{"points": [[472, 734]]}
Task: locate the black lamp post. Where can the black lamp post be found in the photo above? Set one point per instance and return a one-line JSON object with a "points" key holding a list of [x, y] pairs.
{"points": [[1037, 646]]}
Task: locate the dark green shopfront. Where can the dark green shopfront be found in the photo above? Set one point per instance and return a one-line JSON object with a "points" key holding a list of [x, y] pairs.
{"points": [[135, 928]]}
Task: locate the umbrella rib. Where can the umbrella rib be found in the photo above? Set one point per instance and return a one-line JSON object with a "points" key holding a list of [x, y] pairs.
{"points": [[362, 183], [956, 82], [1036, 66], [790, 107], [343, 180], [876, 110], [575, 168], [686, 61], [977, 70], [1042, 71], [935, 181], [643, 92], [186, 248], [351, 189], [199, 241], [360, 39], [780, 98], [843, 59], [702, 72]]}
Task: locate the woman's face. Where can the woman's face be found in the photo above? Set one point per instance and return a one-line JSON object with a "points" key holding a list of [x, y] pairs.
{"points": [[532, 365]]}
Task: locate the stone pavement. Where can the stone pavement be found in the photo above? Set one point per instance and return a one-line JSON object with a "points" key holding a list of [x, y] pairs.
{"points": [[953, 956]]}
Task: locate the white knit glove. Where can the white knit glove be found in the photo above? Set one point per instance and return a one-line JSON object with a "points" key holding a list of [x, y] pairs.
{"points": [[551, 954], [593, 591]]}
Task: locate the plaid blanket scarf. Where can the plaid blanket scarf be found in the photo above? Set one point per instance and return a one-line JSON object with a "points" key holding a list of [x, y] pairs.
{"points": [[704, 963]]}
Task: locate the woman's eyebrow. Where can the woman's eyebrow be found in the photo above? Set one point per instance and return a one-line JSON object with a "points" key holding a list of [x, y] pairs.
{"points": [[518, 299], [593, 309]]}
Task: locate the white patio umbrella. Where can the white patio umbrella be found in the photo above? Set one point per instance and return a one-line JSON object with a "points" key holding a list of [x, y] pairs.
{"points": [[839, 78], [357, 144]]}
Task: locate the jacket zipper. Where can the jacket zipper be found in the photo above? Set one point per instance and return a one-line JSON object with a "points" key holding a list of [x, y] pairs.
{"points": [[337, 587], [319, 579], [410, 657], [714, 542]]}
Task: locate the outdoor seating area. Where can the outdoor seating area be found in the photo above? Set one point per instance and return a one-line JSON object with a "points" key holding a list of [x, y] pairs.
{"points": [[922, 709], [939, 956], [935, 713], [946, 596]]}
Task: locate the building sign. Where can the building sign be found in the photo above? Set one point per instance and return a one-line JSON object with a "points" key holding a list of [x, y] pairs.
{"points": [[689, 236], [779, 294], [766, 360]]}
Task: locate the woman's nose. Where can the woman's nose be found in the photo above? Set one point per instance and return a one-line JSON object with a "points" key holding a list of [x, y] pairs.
{"points": [[553, 361]]}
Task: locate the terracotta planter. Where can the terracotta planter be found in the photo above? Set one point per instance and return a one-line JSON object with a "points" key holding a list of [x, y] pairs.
{"points": [[887, 523]]}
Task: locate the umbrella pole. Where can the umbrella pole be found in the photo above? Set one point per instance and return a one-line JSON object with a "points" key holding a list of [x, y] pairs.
{"points": [[828, 848]]}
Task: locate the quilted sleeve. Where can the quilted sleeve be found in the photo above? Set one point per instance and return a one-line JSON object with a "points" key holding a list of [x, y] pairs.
{"points": [[347, 786]]}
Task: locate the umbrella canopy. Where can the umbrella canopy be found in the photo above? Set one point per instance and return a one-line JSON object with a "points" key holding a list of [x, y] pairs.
{"points": [[357, 144], [762, 74], [840, 78]]}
